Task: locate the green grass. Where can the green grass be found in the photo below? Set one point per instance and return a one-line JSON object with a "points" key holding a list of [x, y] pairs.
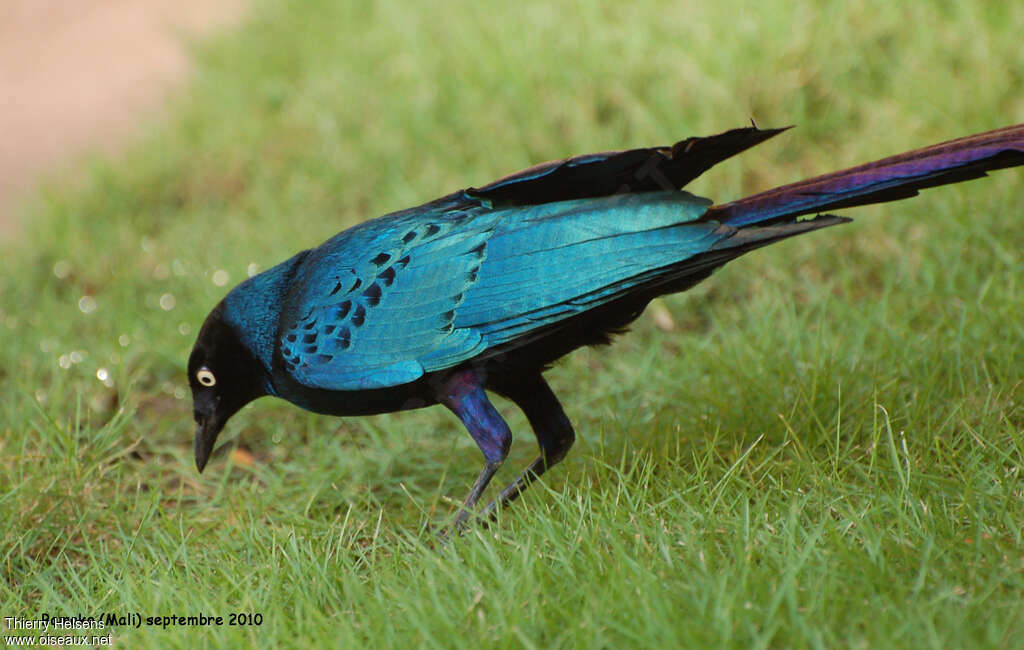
{"points": [[826, 452]]}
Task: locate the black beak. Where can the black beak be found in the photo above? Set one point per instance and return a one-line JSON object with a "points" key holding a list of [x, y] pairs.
{"points": [[206, 436]]}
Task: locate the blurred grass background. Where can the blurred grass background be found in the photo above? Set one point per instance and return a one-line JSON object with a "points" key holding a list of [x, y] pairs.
{"points": [[824, 452]]}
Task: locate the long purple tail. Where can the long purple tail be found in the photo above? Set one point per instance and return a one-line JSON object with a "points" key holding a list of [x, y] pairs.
{"points": [[890, 179]]}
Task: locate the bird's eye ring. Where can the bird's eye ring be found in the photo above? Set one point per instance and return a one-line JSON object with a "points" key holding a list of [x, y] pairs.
{"points": [[206, 377]]}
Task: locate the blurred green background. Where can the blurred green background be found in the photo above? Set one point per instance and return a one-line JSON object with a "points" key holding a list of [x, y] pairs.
{"points": [[823, 449]]}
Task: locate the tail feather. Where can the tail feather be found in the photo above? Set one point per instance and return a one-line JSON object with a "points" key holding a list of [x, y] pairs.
{"points": [[890, 179]]}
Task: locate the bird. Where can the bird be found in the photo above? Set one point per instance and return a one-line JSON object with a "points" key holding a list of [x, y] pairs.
{"points": [[482, 290]]}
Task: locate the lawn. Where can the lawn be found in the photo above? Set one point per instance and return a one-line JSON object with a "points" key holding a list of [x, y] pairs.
{"points": [[823, 450]]}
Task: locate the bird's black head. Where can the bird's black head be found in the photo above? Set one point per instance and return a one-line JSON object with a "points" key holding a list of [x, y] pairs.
{"points": [[224, 376]]}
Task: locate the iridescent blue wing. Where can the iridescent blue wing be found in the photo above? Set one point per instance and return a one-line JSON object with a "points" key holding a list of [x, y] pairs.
{"points": [[382, 305], [431, 287], [374, 301]]}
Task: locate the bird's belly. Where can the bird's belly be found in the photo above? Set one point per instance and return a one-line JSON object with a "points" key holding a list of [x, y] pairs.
{"points": [[372, 401]]}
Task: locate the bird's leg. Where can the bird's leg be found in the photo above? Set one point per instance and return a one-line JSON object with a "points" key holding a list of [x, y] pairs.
{"points": [[554, 432], [463, 393]]}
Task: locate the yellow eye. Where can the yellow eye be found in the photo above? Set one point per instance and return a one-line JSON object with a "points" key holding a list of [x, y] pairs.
{"points": [[206, 377]]}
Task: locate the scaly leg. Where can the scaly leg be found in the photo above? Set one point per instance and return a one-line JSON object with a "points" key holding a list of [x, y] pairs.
{"points": [[554, 432], [463, 393]]}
